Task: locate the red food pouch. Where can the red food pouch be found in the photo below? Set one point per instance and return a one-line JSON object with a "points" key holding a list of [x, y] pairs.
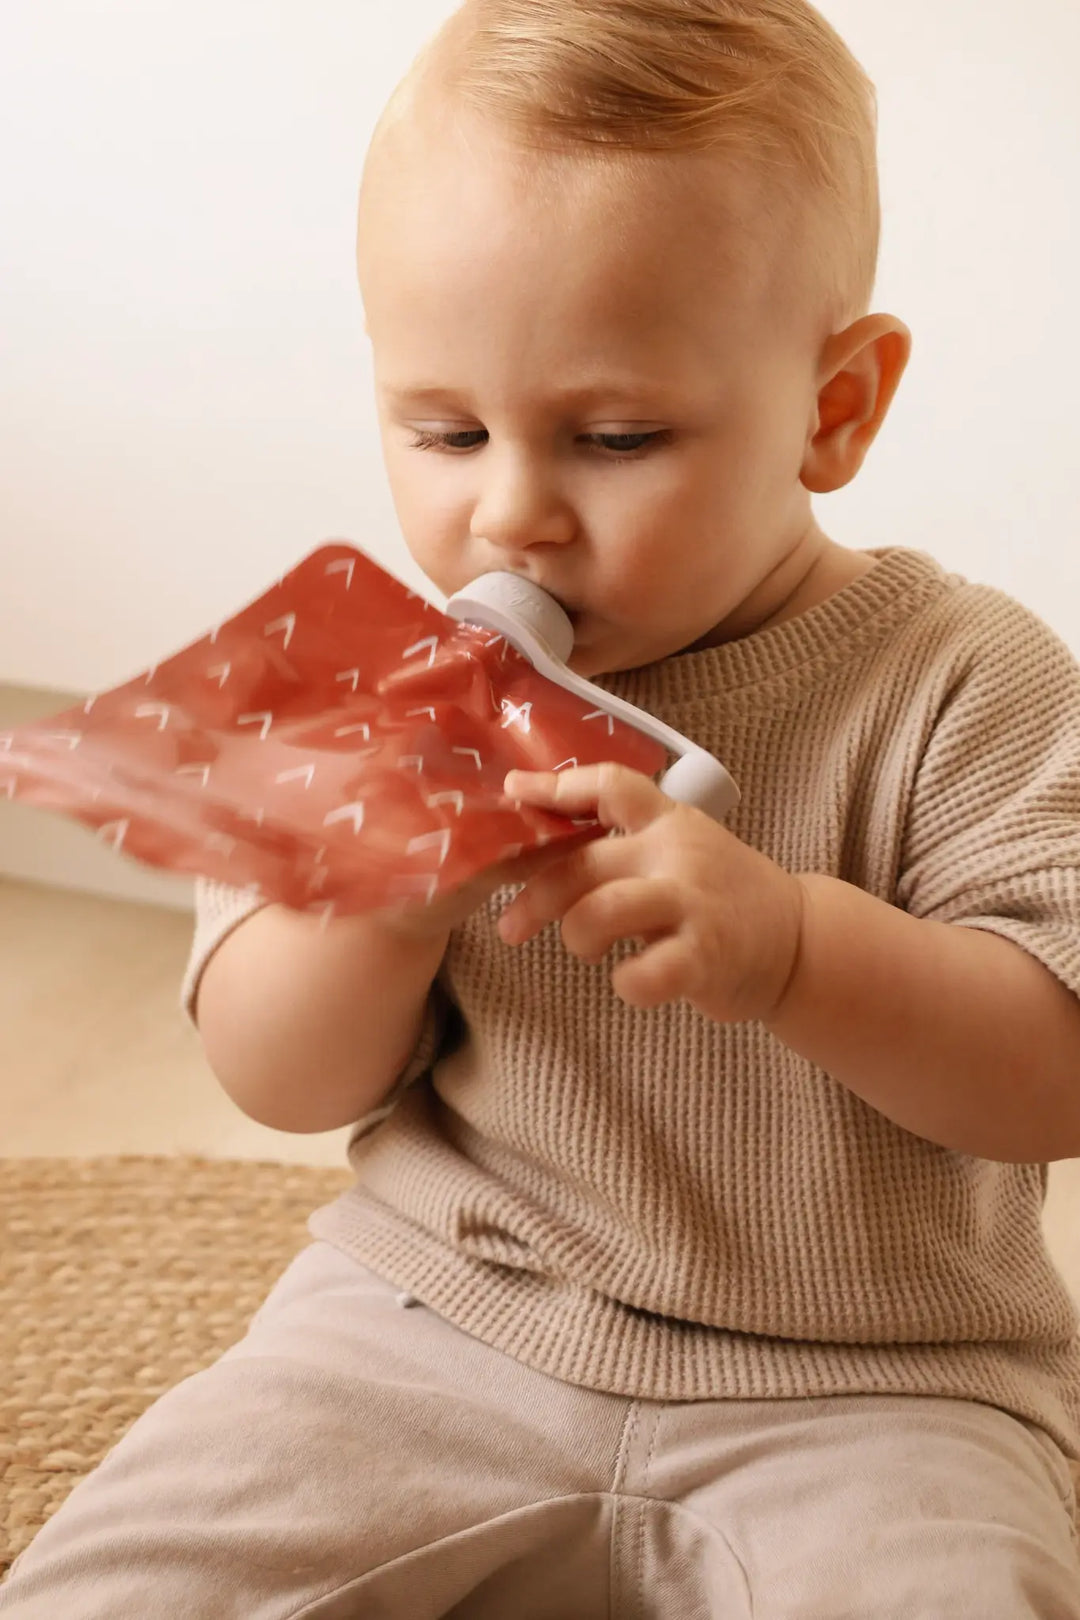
{"points": [[338, 746]]}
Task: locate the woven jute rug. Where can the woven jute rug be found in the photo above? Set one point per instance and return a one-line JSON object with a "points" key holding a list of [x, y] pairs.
{"points": [[118, 1278]]}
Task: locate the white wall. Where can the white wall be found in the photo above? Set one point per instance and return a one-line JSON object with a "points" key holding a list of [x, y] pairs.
{"points": [[184, 389], [980, 164]]}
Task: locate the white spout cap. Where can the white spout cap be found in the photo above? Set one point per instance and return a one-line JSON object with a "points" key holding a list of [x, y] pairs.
{"points": [[519, 610], [697, 778]]}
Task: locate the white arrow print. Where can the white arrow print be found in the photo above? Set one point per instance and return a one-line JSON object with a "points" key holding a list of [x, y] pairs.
{"points": [[224, 670], [436, 840], [89, 705], [512, 715], [427, 883], [70, 739], [257, 816], [115, 832], [151, 672], [288, 624], [456, 799], [222, 842], [567, 764], [602, 714], [307, 772], [471, 753], [348, 812], [416, 761], [345, 565], [160, 712], [352, 675], [194, 770], [431, 642], [414, 714], [263, 720], [351, 731]]}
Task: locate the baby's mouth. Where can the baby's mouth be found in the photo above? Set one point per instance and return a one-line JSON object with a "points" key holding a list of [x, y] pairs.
{"points": [[573, 612]]}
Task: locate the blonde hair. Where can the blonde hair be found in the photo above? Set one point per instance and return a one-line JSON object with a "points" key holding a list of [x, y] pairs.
{"points": [[768, 82]]}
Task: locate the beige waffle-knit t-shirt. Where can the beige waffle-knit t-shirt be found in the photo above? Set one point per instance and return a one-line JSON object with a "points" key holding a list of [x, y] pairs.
{"points": [[655, 1205]]}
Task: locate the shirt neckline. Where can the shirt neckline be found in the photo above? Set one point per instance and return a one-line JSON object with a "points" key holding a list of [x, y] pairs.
{"points": [[862, 612]]}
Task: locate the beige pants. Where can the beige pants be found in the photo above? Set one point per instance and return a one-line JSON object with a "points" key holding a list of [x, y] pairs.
{"points": [[357, 1456]]}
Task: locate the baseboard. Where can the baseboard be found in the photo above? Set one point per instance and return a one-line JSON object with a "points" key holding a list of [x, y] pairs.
{"points": [[43, 848]]}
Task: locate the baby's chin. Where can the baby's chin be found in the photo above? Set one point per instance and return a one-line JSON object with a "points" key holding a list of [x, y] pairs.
{"points": [[598, 654], [611, 655]]}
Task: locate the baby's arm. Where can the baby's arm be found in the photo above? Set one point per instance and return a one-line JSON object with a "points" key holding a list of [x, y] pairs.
{"points": [[308, 1027], [954, 1033]]}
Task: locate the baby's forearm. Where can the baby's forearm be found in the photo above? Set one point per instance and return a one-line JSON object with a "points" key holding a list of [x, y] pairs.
{"points": [[956, 1034], [307, 1027]]}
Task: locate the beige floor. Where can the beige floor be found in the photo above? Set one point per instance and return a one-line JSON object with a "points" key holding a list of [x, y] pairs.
{"points": [[95, 1056]]}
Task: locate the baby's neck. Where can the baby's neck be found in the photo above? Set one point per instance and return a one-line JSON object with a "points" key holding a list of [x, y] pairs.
{"points": [[814, 571]]}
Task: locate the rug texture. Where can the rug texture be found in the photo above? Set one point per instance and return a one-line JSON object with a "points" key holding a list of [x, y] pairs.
{"points": [[118, 1278]]}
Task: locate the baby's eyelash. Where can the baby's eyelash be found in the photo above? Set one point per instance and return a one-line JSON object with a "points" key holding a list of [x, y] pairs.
{"points": [[425, 440], [628, 444], [621, 446]]}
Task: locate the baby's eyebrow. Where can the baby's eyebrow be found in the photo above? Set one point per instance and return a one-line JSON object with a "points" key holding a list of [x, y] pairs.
{"points": [[422, 396], [580, 397]]}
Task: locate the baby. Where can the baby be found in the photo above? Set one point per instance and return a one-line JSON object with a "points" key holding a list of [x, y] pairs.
{"points": [[693, 1264]]}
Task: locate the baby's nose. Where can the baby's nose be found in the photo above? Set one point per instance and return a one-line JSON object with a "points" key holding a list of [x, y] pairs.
{"points": [[519, 508]]}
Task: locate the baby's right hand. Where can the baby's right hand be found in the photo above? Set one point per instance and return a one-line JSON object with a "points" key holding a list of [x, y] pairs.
{"points": [[424, 922]]}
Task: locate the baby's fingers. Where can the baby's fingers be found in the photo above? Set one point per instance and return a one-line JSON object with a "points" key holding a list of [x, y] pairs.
{"points": [[664, 972], [617, 796], [635, 908], [550, 894]]}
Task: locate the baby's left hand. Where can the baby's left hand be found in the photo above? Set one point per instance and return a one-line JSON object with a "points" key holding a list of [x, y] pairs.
{"points": [[720, 923]]}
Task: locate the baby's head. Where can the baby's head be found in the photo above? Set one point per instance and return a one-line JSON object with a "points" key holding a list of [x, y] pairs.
{"points": [[616, 259]]}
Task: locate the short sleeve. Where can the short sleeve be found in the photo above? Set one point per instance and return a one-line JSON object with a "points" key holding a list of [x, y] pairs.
{"points": [[992, 838]]}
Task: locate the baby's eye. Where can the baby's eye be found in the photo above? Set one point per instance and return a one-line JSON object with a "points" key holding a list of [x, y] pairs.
{"points": [[626, 444], [467, 439]]}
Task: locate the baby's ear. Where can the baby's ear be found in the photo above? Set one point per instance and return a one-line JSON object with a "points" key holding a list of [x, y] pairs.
{"points": [[861, 369]]}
